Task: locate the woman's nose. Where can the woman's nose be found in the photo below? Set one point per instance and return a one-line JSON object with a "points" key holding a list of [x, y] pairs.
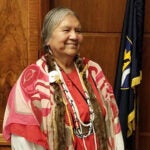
{"points": [[73, 34]]}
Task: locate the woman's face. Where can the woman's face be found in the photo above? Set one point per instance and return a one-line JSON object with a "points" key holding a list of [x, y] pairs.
{"points": [[66, 38]]}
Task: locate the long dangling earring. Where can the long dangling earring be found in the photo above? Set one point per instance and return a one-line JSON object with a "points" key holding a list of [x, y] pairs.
{"points": [[49, 49]]}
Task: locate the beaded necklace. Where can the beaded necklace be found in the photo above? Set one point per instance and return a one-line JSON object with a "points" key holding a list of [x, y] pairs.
{"points": [[79, 124]]}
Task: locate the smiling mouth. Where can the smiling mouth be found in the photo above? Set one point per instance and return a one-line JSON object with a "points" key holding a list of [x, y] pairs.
{"points": [[75, 44], [72, 44]]}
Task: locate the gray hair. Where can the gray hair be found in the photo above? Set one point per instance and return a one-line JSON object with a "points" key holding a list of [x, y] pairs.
{"points": [[52, 19]]}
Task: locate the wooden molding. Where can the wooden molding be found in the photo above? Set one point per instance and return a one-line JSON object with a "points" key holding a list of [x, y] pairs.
{"points": [[3, 141], [34, 29]]}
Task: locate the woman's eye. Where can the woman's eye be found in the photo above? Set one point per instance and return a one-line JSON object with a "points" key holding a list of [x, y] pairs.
{"points": [[66, 30], [78, 31]]}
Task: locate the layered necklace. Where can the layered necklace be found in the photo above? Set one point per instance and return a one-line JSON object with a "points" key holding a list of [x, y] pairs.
{"points": [[79, 124]]}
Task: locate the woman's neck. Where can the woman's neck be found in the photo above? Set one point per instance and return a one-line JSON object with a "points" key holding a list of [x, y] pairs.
{"points": [[66, 65]]}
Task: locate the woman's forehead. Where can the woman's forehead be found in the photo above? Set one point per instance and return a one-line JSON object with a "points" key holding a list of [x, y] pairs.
{"points": [[69, 20]]}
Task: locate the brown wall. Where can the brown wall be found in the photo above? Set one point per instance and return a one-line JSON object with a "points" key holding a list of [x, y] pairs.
{"points": [[19, 43], [102, 24], [144, 90]]}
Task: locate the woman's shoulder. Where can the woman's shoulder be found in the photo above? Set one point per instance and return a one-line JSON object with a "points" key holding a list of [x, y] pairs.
{"points": [[35, 67], [31, 76], [92, 65]]}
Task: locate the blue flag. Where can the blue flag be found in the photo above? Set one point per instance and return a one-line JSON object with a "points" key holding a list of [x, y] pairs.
{"points": [[129, 73]]}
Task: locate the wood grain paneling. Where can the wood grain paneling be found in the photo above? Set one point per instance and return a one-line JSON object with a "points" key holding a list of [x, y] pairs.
{"points": [[19, 44], [144, 142], [34, 28], [5, 148], [144, 98], [102, 48], [4, 145], [144, 105], [13, 47], [3, 141], [97, 15], [147, 16]]}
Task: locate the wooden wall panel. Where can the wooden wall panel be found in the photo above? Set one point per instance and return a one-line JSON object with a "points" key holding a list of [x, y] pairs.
{"points": [[144, 142], [102, 48], [147, 16], [97, 15], [144, 98], [5, 148], [19, 44], [13, 47], [34, 28]]}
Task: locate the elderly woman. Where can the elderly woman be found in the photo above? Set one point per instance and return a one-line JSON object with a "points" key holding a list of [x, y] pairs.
{"points": [[62, 101]]}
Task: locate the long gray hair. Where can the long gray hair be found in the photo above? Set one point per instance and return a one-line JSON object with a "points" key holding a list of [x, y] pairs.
{"points": [[52, 19]]}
